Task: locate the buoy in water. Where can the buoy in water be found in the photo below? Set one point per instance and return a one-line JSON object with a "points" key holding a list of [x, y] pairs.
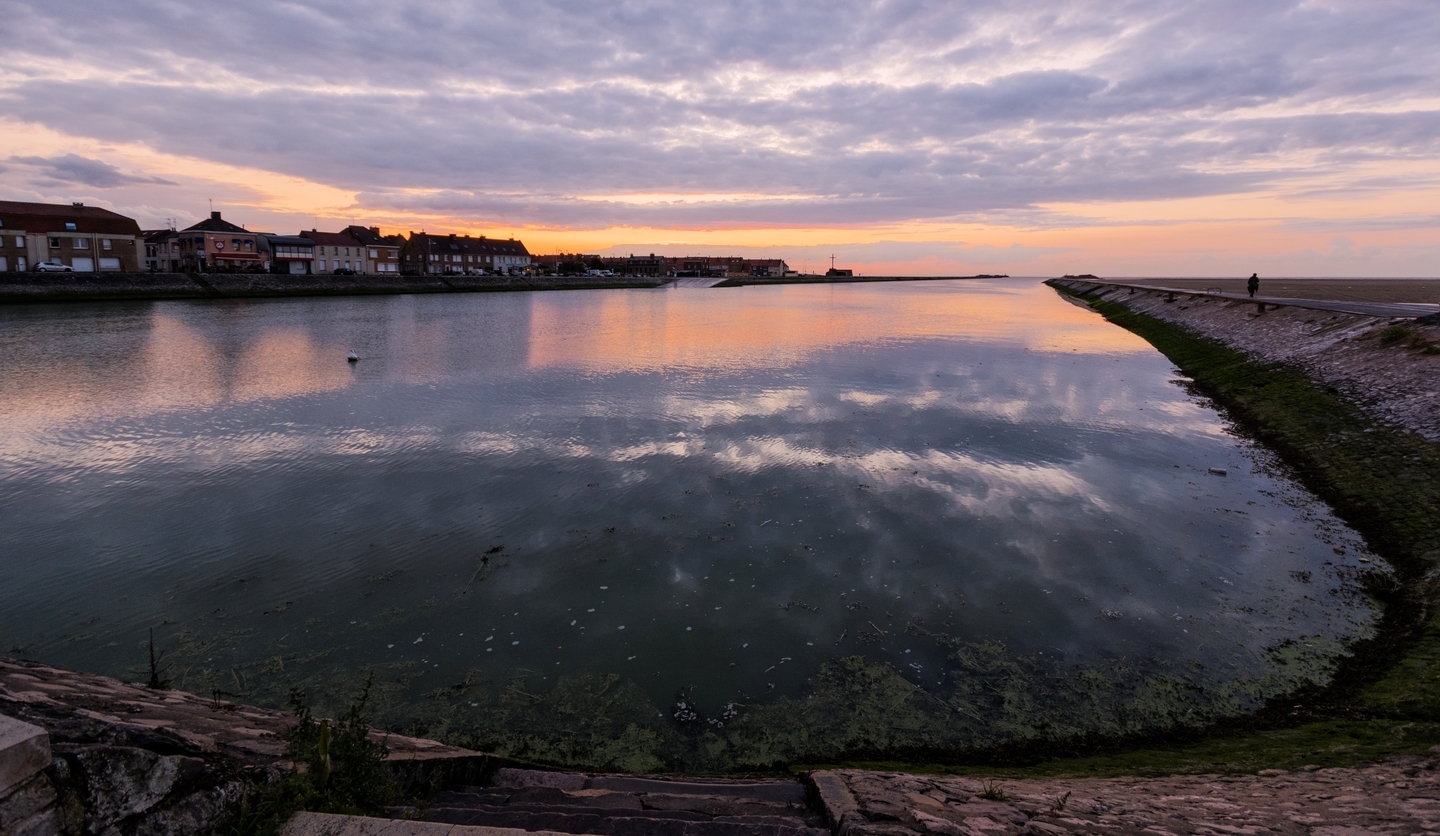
{"points": [[352, 357]]}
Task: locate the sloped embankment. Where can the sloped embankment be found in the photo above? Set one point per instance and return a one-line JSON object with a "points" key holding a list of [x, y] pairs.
{"points": [[1349, 402]]}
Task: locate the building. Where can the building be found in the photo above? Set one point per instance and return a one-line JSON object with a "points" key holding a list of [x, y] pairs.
{"points": [[646, 265], [461, 255], [724, 266], [767, 267], [382, 252], [337, 251], [162, 251], [84, 238], [291, 255], [567, 262], [216, 245]]}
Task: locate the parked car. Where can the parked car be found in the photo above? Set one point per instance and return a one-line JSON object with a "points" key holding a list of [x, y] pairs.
{"points": [[52, 267], [342, 271]]}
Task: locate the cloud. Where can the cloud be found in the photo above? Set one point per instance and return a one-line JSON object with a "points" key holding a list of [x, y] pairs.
{"points": [[860, 111], [71, 168]]}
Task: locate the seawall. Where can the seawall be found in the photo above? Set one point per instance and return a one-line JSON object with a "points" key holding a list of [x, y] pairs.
{"points": [[1348, 403], [89, 287], [1394, 376]]}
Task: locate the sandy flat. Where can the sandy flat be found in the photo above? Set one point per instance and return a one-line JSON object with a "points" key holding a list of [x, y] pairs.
{"points": [[1348, 290]]}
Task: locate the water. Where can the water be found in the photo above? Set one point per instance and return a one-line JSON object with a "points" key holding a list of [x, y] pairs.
{"points": [[537, 517]]}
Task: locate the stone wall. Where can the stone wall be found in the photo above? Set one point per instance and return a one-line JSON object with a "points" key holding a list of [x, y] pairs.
{"points": [[81, 287], [1394, 381], [83, 754], [27, 796]]}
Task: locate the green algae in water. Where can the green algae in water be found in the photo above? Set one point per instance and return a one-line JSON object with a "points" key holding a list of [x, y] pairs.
{"points": [[938, 528]]}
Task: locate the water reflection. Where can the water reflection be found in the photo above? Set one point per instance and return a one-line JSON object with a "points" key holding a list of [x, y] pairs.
{"points": [[975, 488]]}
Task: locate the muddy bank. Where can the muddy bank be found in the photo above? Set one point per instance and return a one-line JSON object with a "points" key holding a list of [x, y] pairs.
{"points": [[90, 287]]}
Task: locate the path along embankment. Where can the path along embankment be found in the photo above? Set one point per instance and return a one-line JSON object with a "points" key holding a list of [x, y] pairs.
{"points": [[89, 287], [1394, 376]]}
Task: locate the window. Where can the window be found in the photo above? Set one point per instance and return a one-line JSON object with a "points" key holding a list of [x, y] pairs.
{"points": [[3, 265], [105, 244], [322, 264], [19, 240], [54, 243], [82, 243], [374, 254], [70, 226]]}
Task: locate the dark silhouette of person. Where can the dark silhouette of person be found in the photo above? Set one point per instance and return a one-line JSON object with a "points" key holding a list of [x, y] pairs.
{"points": [[1254, 284]]}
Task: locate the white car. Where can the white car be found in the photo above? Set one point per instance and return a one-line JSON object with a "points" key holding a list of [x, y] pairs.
{"points": [[52, 267]]}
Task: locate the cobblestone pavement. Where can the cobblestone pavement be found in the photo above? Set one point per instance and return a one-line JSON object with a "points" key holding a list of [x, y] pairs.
{"points": [[1399, 796]]}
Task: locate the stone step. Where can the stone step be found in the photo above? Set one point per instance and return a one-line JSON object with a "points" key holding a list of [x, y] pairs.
{"points": [[330, 824], [776, 791], [530, 808], [612, 823], [722, 805], [709, 805], [540, 795]]}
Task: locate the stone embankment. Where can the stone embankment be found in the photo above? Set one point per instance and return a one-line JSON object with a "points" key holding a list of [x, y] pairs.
{"points": [[84, 287], [1401, 796], [1388, 365], [83, 754]]}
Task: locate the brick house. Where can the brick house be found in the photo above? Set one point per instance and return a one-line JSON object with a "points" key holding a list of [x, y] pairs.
{"points": [[84, 238], [382, 252], [461, 255], [337, 251], [291, 255], [216, 245], [162, 251]]}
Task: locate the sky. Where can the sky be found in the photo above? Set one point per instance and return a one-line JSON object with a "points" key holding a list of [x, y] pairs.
{"points": [[905, 137]]}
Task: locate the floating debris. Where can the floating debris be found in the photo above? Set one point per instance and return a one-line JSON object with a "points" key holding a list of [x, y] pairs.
{"points": [[1219, 471]]}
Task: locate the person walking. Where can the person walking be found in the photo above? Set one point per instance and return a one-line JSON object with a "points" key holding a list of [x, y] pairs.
{"points": [[1253, 285]]}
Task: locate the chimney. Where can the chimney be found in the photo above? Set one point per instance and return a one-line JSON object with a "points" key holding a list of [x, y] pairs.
{"points": [[78, 205], [214, 216]]}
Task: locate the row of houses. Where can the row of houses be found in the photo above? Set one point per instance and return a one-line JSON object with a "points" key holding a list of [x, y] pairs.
{"points": [[217, 245], [83, 238], [90, 239], [660, 265]]}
